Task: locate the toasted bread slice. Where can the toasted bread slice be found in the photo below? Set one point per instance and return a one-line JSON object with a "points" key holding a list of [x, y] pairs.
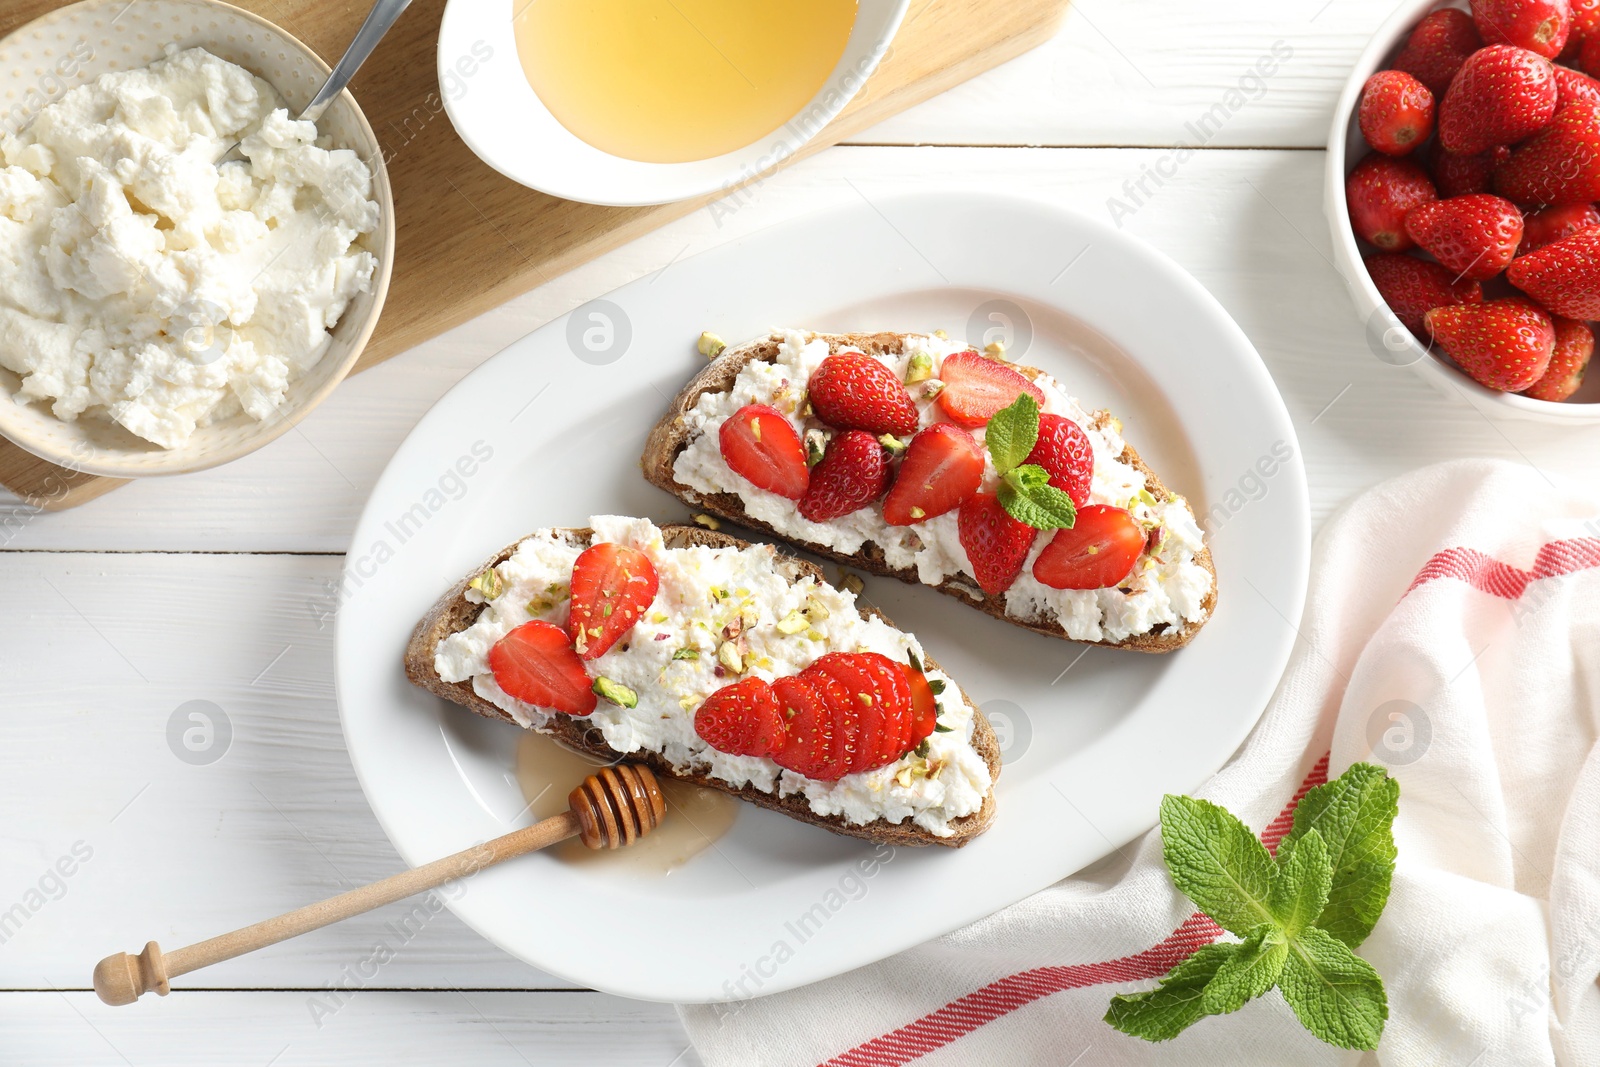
{"points": [[454, 613], [673, 433]]}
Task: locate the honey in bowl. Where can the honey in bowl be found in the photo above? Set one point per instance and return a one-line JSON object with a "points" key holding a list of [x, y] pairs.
{"points": [[672, 81]]}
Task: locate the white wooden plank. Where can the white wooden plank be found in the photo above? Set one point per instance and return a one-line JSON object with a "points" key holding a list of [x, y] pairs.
{"points": [[371, 1029], [1134, 72], [100, 652], [1247, 224]]}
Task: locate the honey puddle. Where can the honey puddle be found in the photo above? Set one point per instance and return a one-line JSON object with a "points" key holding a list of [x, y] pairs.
{"points": [[696, 817]]}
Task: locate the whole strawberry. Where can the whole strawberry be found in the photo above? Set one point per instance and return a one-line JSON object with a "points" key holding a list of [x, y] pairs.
{"points": [[1413, 287], [1551, 224], [853, 391], [1538, 25], [1501, 95], [1574, 346], [1475, 236], [1563, 276], [1455, 175], [1502, 344], [1396, 112], [853, 472], [1437, 48], [1572, 85], [1559, 165], [1379, 193]]}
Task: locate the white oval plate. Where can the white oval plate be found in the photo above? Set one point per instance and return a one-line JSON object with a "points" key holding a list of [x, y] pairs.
{"points": [[543, 436], [500, 117]]}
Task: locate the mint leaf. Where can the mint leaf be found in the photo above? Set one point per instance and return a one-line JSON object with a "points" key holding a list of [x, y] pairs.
{"points": [[1217, 862], [1354, 814], [1027, 495], [1334, 993], [1301, 889], [1248, 973], [1012, 432], [1174, 1005]]}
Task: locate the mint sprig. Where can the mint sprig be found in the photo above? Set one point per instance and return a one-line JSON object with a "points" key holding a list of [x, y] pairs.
{"points": [[1299, 917], [1025, 490]]}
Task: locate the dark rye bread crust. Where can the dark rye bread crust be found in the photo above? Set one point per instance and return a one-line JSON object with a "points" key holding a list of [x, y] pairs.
{"points": [[673, 434], [454, 612]]}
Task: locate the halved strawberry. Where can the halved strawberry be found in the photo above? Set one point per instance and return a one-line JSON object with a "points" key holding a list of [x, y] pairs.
{"points": [[809, 722], [1475, 236], [1540, 228], [996, 544], [1563, 276], [742, 719], [1063, 450], [1096, 553], [924, 705], [1502, 344], [535, 664], [853, 391], [975, 388], [611, 586], [1574, 347], [760, 445], [1437, 48], [1379, 192], [1500, 95], [942, 467], [854, 472], [1396, 112]]}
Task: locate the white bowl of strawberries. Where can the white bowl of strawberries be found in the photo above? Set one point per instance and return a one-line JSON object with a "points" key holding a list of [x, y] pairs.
{"points": [[1463, 171]]}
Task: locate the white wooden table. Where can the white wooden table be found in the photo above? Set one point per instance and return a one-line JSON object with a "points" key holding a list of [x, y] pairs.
{"points": [[211, 587]]}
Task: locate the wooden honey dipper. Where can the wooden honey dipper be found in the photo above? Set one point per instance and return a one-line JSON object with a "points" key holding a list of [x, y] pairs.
{"points": [[612, 808]]}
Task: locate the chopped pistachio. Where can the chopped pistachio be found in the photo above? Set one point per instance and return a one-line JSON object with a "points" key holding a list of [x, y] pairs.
{"points": [[1146, 496], [793, 622], [616, 692], [865, 698], [728, 655], [687, 703], [718, 593], [813, 635], [851, 583], [657, 617], [995, 350], [710, 345], [755, 429], [816, 610], [816, 446], [605, 612], [933, 768], [1093, 550], [892, 443], [686, 653], [707, 521], [806, 411], [918, 513], [920, 369], [488, 584], [932, 388], [941, 335]]}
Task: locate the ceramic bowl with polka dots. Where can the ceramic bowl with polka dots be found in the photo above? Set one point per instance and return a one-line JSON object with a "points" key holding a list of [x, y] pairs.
{"points": [[74, 45]]}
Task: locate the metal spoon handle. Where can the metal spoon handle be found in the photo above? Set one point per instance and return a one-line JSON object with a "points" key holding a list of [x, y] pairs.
{"points": [[383, 15]]}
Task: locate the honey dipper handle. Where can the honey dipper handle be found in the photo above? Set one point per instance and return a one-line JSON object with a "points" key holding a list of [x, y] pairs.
{"points": [[122, 979]]}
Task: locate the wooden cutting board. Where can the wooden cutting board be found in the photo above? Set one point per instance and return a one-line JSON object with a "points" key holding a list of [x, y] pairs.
{"points": [[451, 209]]}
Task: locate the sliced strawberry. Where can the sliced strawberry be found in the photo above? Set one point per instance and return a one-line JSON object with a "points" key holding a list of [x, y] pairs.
{"points": [[1558, 165], [845, 711], [612, 585], [1550, 225], [809, 750], [1379, 192], [1563, 276], [854, 472], [848, 689], [975, 388], [942, 467], [1412, 287], [892, 690], [535, 664], [1574, 347], [1437, 48], [760, 445], [924, 705], [853, 391], [1501, 95], [996, 544], [1396, 112], [1475, 236], [1502, 344], [742, 719], [1064, 451], [1540, 26], [1097, 552]]}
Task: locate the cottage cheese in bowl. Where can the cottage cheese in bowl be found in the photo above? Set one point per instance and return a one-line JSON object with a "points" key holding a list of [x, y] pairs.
{"points": [[143, 282]]}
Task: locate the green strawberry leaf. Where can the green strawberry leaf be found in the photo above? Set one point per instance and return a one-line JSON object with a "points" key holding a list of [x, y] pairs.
{"points": [[1027, 495], [1354, 815], [1174, 1005], [1334, 993], [1248, 973], [1217, 862], [1300, 891], [1012, 432]]}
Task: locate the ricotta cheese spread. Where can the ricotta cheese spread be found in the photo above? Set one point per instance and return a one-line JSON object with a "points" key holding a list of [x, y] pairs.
{"points": [[143, 281], [1168, 586], [670, 660]]}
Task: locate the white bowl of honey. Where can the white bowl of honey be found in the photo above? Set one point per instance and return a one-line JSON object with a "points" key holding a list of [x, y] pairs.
{"points": [[629, 102]]}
